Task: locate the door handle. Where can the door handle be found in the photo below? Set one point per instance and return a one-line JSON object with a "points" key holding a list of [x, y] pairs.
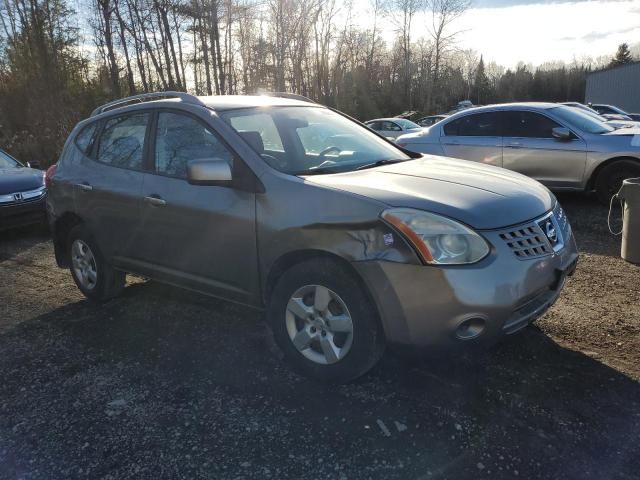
{"points": [[84, 186], [155, 201]]}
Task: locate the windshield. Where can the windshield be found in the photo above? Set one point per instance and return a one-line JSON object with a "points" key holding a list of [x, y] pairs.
{"points": [[310, 140], [406, 124], [7, 162], [581, 120]]}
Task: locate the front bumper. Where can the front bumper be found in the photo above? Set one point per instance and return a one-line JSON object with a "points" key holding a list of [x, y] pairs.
{"points": [[26, 212], [429, 306]]}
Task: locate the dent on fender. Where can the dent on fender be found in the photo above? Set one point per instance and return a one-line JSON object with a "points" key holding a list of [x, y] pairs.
{"points": [[359, 241]]}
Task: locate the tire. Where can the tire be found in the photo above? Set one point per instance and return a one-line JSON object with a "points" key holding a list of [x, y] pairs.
{"points": [[350, 354], [609, 179], [106, 282]]}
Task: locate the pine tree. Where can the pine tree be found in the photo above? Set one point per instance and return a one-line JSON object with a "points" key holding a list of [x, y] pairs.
{"points": [[622, 56], [480, 84]]}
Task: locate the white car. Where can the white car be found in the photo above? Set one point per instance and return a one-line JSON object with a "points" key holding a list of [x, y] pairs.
{"points": [[393, 127]]}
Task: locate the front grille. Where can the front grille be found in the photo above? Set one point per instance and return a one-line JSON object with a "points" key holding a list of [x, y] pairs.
{"points": [[541, 237], [527, 242]]}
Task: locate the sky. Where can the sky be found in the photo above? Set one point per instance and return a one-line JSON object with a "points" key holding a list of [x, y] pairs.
{"points": [[535, 32], [508, 31]]}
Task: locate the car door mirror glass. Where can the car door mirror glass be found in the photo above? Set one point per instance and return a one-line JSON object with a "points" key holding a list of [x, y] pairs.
{"points": [[561, 133], [209, 171]]}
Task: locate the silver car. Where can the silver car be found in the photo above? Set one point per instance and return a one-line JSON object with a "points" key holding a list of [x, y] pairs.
{"points": [[560, 146], [347, 242], [393, 127]]}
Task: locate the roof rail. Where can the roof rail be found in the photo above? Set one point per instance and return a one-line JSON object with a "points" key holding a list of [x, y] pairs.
{"points": [[292, 96], [144, 97]]}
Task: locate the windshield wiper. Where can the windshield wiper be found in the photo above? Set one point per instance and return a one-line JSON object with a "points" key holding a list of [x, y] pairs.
{"points": [[379, 163], [316, 171]]}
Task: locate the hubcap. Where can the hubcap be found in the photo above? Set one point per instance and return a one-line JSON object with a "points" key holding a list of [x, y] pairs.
{"points": [[319, 324], [84, 264]]}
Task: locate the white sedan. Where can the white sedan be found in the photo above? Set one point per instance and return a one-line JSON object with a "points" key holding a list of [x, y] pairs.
{"points": [[393, 127]]}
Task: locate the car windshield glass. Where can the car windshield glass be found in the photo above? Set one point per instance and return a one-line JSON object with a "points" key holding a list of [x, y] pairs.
{"points": [[310, 140], [406, 124], [581, 120], [7, 162]]}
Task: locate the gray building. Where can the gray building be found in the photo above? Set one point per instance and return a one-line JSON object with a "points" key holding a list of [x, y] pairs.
{"points": [[619, 86]]}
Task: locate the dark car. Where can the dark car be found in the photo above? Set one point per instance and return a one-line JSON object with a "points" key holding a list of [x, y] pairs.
{"points": [[22, 194]]}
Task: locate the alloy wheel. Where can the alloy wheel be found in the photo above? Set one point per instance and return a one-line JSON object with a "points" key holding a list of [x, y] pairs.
{"points": [[319, 324], [84, 264]]}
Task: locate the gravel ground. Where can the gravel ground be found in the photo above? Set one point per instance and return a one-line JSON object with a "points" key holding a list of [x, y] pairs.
{"points": [[162, 383]]}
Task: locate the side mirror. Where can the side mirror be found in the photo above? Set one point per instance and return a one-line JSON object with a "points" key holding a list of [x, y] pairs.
{"points": [[213, 171], [561, 133]]}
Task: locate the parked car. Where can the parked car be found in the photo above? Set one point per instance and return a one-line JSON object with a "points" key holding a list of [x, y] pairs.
{"points": [[347, 248], [611, 111], [393, 127], [560, 146], [22, 194], [597, 116], [428, 121]]}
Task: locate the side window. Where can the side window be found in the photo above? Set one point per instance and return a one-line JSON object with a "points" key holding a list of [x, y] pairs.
{"points": [[122, 141], [84, 139], [478, 125], [180, 139], [374, 126], [261, 124], [391, 127], [529, 124]]}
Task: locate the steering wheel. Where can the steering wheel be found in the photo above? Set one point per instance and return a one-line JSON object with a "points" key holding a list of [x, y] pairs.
{"points": [[327, 150]]}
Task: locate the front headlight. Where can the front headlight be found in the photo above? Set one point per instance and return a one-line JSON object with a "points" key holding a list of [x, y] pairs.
{"points": [[438, 239]]}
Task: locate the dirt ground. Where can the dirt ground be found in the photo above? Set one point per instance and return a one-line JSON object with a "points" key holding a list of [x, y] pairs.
{"points": [[161, 383]]}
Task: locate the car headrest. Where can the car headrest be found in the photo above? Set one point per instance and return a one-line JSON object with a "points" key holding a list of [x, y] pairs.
{"points": [[254, 139]]}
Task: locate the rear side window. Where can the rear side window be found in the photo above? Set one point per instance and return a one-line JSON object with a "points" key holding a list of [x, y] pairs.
{"points": [[374, 126], [529, 124], [84, 139], [391, 127], [181, 139], [121, 143], [478, 125]]}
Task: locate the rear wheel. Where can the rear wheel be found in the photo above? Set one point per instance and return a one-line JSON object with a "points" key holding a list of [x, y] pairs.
{"points": [[609, 179], [95, 278], [324, 322]]}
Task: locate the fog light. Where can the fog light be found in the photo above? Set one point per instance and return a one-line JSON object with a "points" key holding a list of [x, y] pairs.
{"points": [[470, 328]]}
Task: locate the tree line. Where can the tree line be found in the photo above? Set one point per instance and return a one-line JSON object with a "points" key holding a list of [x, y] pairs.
{"points": [[56, 65]]}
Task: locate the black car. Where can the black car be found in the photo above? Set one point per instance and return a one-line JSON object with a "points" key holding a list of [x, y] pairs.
{"points": [[22, 194]]}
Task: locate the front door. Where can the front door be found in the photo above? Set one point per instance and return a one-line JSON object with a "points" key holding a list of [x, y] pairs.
{"points": [[198, 236], [476, 137], [531, 149]]}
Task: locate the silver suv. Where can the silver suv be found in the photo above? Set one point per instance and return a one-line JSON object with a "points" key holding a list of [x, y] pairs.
{"points": [[560, 146], [347, 242]]}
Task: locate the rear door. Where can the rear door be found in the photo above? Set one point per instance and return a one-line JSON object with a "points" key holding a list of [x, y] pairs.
{"points": [[198, 236], [531, 149], [108, 184], [476, 137]]}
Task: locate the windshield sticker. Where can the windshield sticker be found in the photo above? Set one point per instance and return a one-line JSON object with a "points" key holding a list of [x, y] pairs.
{"points": [[388, 239]]}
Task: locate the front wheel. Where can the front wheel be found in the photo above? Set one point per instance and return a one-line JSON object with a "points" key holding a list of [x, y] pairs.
{"points": [[610, 178], [324, 322]]}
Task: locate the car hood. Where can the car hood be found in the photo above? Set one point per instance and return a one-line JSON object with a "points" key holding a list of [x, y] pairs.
{"points": [[481, 196], [19, 179]]}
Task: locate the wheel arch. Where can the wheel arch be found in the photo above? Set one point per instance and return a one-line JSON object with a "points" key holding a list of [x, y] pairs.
{"points": [[61, 229], [289, 259], [594, 174]]}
